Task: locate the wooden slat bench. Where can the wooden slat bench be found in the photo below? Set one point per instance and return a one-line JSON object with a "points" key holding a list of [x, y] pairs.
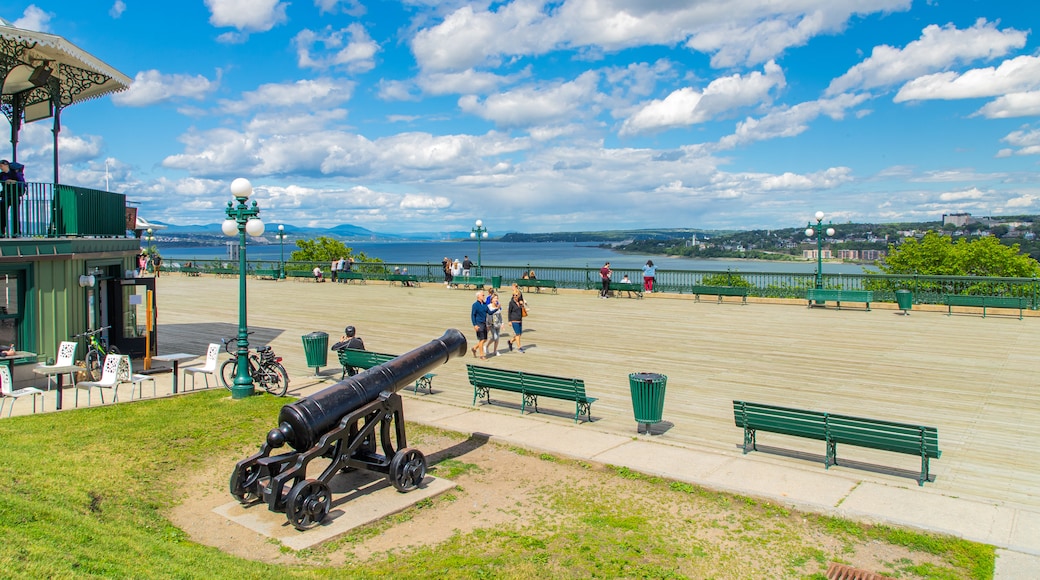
{"points": [[720, 291], [475, 281], [225, 272], [537, 284], [366, 359], [265, 274], [833, 429], [821, 295], [189, 271], [348, 277], [299, 275], [630, 287], [403, 279], [530, 386], [984, 302]]}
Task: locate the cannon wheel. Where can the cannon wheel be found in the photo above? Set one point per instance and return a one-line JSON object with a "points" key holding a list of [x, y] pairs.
{"points": [[243, 483], [407, 469], [308, 504]]}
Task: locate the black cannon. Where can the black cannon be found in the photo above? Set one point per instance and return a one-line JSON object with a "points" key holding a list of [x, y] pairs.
{"points": [[339, 424]]}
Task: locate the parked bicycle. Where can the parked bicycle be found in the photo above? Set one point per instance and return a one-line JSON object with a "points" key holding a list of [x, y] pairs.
{"points": [[265, 368], [97, 349]]}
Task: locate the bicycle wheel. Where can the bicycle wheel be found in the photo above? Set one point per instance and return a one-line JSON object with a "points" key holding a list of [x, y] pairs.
{"points": [[275, 379], [228, 371], [93, 362]]}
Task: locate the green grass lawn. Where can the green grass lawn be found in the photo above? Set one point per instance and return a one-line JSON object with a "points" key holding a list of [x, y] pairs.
{"points": [[86, 492]]}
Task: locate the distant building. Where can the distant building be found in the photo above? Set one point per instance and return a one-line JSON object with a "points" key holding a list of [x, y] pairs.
{"points": [[811, 254], [957, 219]]}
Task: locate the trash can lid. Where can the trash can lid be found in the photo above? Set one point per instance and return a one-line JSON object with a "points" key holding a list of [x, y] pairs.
{"points": [[315, 334], [646, 376]]}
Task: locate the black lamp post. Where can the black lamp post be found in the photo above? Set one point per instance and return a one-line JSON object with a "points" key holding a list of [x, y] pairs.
{"points": [[241, 219]]}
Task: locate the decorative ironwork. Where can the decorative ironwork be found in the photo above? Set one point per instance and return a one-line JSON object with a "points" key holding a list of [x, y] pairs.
{"points": [[75, 80]]}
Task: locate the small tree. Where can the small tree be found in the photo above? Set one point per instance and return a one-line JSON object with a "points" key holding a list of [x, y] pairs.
{"points": [[325, 249]]}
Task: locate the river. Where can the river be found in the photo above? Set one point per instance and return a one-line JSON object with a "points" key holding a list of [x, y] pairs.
{"points": [[534, 254]]}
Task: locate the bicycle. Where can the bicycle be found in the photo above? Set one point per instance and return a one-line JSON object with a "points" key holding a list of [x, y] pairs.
{"points": [[265, 368], [97, 349]]}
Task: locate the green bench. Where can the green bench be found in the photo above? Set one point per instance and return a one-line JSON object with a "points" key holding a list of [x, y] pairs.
{"points": [[225, 272], [475, 281], [720, 291], [298, 275], [833, 429], [821, 295], [189, 270], [403, 279], [984, 302], [537, 284], [265, 274], [630, 287], [366, 359], [530, 386], [348, 277]]}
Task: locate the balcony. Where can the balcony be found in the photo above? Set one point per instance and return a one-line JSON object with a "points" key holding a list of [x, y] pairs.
{"points": [[48, 210]]}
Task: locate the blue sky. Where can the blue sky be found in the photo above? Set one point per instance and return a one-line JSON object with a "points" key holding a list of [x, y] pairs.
{"points": [[424, 115]]}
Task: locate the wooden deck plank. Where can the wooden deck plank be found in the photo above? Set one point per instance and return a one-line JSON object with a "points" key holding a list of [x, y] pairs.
{"points": [[970, 377]]}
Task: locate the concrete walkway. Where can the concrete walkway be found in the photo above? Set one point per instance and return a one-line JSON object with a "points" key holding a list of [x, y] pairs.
{"points": [[970, 377]]}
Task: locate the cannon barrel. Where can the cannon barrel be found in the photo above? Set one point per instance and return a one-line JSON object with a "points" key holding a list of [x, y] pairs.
{"points": [[302, 423]]}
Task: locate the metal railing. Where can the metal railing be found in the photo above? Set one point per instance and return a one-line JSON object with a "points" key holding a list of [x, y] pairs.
{"points": [[31, 210], [925, 289]]}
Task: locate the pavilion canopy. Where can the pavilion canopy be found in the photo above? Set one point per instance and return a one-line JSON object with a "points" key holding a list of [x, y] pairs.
{"points": [[43, 73]]}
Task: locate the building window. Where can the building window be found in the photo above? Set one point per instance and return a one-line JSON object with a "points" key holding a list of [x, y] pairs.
{"points": [[10, 307]]}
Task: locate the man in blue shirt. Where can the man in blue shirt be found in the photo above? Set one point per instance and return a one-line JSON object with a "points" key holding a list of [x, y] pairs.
{"points": [[478, 316]]}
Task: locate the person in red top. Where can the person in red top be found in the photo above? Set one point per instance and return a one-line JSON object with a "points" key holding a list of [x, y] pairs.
{"points": [[604, 274]]}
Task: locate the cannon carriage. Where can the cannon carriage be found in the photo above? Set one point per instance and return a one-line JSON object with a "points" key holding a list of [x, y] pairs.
{"points": [[356, 423]]}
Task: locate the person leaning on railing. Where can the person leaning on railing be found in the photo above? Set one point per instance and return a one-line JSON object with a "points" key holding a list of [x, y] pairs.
{"points": [[13, 187]]}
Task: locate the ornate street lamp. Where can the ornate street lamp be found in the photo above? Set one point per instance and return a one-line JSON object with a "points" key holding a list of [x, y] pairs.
{"points": [[241, 219], [150, 238], [281, 241], [818, 232], [479, 232]]}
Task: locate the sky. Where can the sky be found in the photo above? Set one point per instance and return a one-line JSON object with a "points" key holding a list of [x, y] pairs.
{"points": [[416, 116]]}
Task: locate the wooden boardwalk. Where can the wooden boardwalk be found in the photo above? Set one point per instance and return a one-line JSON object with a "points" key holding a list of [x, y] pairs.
{"points": [[970, 377]]}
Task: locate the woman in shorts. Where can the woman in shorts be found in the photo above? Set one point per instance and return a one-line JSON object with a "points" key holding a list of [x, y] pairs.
{"points": [[516, 319]]}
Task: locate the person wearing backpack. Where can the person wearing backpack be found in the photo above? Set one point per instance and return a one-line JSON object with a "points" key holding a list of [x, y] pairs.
{"points": [[13, 186]]}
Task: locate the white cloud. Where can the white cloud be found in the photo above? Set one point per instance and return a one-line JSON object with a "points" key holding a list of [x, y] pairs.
{"points": [[247, 15], [791, 121], [151, 87], [687, 106], [308, 94], [1012, 76], [117, 9], [34, 18], [350, 48], [537, 104], [735, 33], [350, 7], [1013, 105], [1026, 141], [937, 49], [466, 82]]}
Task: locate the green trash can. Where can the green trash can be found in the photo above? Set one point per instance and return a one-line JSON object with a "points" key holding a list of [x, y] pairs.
{"points": [[496, 282], [647, 397], [316, 348], [905, 300]]}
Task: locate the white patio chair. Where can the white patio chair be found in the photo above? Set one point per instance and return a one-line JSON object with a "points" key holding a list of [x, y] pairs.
{"points": [[7, 391], [126, 375], [109, 380], [66, 358], [207, 369]]}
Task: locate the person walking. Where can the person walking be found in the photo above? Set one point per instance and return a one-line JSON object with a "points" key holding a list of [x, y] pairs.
{"points": [[516, 319], [649, 271], [478, 316], [335, 270], [446, 265], [604, 274], [156, 263], [494, 325]]}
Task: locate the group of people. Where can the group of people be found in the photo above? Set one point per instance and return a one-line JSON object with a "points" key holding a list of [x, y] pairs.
{"points": [[486, 317], [343, 264], [454, 268], [143, 260], [605, 273]]}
